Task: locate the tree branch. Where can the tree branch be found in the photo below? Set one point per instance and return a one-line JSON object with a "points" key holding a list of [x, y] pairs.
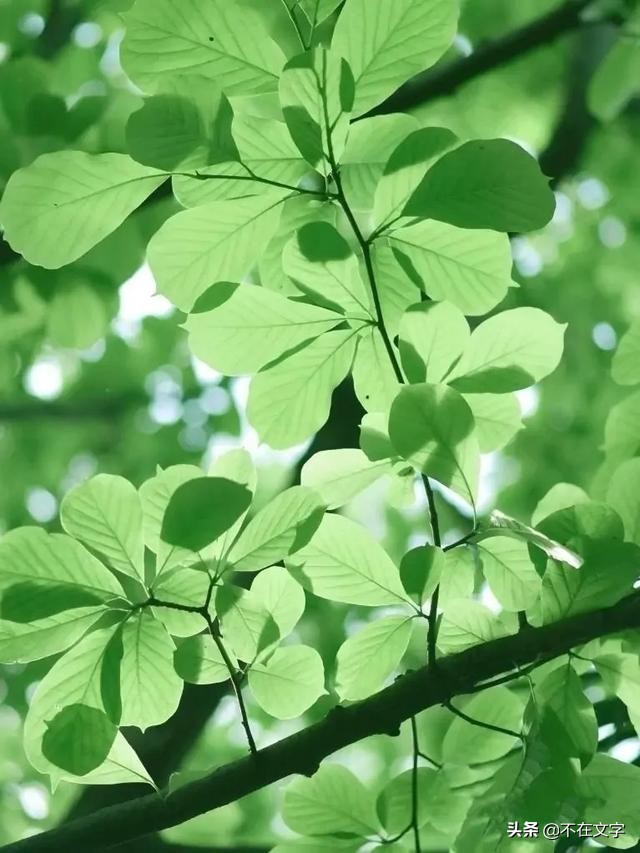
{"points": [[487, 57], [302, 752]]}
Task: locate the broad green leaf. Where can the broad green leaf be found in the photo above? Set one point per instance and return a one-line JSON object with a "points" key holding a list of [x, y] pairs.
{"points": [[106, 514], [433, 336], [219, 241], [322, 264], [390, 41], [218, 39], [438, 804], [76, 678], [620, 672], [625, 367], [468, 623], [333, 801], [281, 528], [290, 401], [77, 317], [509, 572], [617, 79], [236, 465], [42, 561], [420, 570], [247, 626], [610, 788], [369, 146], [201, 510], [497, 417], [281, 596], [27, 601], [471, 269], [491, 183], [24, 642], [199, 661], [396, 289], [513, 350], [560, 496], [155, 495], [374, 437], [339, 475], [181, 586], [344, 563], [622, 429], [374, 379], [150, 687], [406, 165], [569, 717], [186, 127], [624, 496], [289, 682], [432, 427], [238, 328], [465, 743], [368, 658], [457, 576], [78, 739], [60, 206]]}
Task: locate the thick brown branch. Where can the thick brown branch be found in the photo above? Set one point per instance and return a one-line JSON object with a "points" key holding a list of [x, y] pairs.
{"points": [[302, 752], [487, 57]]}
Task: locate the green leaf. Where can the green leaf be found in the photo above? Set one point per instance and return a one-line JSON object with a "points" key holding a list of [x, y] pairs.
{"points": [[186, 127], [620, 672], [610, 789], [339, 475], [622, 429], [219, 241], [155, 495], [238, 328], [625, 367], [624, 496], [76, 678], [569, 718], [60, 206], [395, 288], [374, 379], [201, 510], [290, 401], [420, 570], [471, 269], [343, 563], [457, 576], [29, 555], [281, 528], [509, 572], [333, 801], [617, 78], [560, 496], [465, 743], [369, 146], [106, 514], [508, 352], [281, 596], [77, 317], [78, 739], [406, 165], [28, 601], [497, 417], [368, 658], [181, 586], [236, 465], [199, 661], [219, 40], [432, 427], [289, 682], [374, 437], [390, 41], [150, 687], [468, 623], [322, 264], [22, 643], [439, 806], [491, 183], [433, 336], [246, 623]]}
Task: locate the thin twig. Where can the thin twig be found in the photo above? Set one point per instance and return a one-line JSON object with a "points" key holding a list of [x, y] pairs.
{"points": [[414, 787], [490, 726]]}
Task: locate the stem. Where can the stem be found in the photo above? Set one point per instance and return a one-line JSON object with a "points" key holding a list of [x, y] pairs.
{"points": [[430, 760], [414, 786], [196, 176], [480, 724], [235, 681]]}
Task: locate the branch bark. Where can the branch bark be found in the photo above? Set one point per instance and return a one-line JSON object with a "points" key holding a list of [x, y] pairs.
{"points": [[302, 752]]}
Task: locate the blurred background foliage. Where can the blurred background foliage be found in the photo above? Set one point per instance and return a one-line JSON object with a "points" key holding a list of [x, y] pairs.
{"points": [[95, 374]]}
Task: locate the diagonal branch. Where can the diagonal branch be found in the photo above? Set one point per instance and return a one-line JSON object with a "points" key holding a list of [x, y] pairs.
{"points": [[488, 56], [302, 752]]}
